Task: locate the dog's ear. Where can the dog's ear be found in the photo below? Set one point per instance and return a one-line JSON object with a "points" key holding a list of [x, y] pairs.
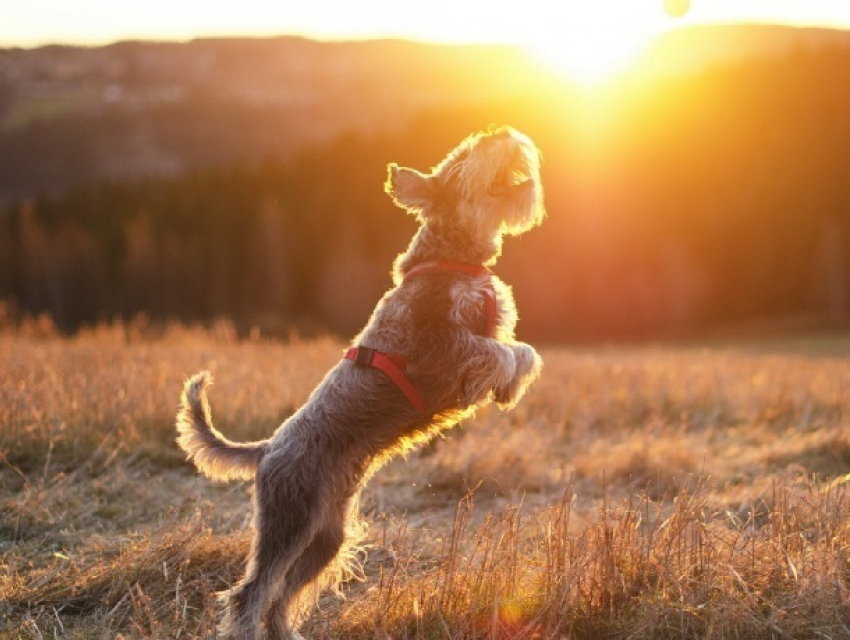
{"points": [[408, 188]]}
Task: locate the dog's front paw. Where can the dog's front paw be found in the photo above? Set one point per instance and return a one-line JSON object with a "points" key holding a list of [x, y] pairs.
{"points": [[528, 366], [528, 361]]}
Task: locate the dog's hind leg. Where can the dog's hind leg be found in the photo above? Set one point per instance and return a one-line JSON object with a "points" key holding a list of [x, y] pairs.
{"points": [[255, 597], [288, 511], [302, 585], [242, 607], [288, 608], [248, 601]]}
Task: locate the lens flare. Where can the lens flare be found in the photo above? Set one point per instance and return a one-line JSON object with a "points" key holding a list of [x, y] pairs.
{"points": [[676, 8]]}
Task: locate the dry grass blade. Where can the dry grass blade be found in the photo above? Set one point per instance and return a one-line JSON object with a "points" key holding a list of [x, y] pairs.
{"points": [[163, 577]]}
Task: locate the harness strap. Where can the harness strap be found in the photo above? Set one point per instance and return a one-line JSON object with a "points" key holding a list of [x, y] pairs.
{"points": [[393, 366], [474, 270]]}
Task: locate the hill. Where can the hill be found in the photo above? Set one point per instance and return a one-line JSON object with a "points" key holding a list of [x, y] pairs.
{"points": [[70, 115], [693, 49], [704, 187]]}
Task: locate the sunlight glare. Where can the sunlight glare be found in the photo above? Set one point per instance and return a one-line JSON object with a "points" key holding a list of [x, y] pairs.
{"points": [[593, 41]]}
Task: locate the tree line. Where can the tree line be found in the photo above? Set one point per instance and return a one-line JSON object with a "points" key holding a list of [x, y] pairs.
{"points": [[702, 199]]}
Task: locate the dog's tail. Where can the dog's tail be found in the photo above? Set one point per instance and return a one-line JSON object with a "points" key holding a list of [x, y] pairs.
{"points": [[214, 455]]}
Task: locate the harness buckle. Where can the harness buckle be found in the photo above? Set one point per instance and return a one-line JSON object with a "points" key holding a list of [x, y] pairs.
{"points": [[364, 357]]}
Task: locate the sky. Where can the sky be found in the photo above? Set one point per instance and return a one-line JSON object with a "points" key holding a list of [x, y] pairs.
{"points": [[588, 39], [34, 22]]}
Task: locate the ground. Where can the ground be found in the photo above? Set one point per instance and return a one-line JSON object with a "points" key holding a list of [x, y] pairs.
{"points": [[692, 490]]}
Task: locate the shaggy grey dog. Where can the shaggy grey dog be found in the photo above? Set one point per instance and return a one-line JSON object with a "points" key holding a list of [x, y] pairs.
{"points": [[439, 344]]}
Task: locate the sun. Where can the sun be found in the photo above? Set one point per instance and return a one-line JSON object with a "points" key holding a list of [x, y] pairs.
{"points": [[586, 60], [595, 40]]}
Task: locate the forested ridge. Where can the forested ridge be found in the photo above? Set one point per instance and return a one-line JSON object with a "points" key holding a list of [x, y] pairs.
{"points": [[688, 200]]}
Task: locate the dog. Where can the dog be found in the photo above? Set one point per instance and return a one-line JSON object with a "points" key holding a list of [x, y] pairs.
{"points": [[439, 344]]}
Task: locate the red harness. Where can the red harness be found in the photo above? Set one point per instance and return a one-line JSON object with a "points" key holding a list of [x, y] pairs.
{"points": [[474, 270], [394, 365]]}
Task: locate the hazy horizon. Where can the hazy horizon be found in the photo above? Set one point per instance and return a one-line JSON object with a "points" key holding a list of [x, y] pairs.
{"points": [[96, 23]]}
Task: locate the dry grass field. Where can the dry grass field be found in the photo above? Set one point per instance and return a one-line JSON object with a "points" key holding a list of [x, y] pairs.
{"points": [[636, 492]]}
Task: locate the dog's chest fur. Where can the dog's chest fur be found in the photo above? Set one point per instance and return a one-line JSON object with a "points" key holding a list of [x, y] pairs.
{"points": [[424, 314], [430, 321], [468, 303]]}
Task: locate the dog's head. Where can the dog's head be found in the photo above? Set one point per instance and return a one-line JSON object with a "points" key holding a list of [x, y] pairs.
{"points": [[489, 185]]}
